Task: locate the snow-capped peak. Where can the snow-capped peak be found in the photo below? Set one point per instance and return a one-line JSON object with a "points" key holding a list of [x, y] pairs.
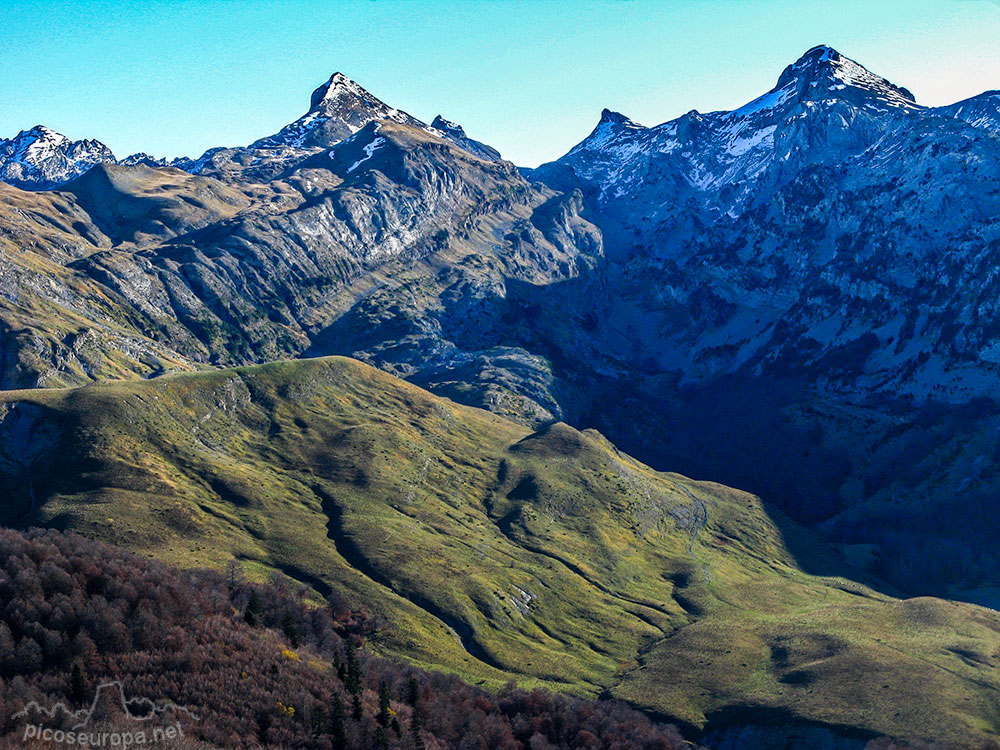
{"points": [[40, 135], [337, 109], [41, 158], [356, 106], [822, 73], [612, 128], [338, 85], [616, 138]]}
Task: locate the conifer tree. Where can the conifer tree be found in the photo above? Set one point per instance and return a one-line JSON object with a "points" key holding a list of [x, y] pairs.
{"points": [[353, 678], [416, 719], [357, 710], [77, 685], [353, 681], [252, 613], [337, 729], [384, 709], [291, 630]]}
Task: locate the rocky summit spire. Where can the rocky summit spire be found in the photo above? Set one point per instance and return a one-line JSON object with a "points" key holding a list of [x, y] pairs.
{"points": [[611, 117], [822, 73], [456, 134], [449, 127], [337, 109], [337, 86]]}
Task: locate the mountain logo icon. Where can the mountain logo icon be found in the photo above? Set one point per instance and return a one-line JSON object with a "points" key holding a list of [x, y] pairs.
{"points": [[110, 701]]}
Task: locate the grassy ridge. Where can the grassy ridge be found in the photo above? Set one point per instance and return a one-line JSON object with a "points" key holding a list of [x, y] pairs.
{"points": [[495, 551]]}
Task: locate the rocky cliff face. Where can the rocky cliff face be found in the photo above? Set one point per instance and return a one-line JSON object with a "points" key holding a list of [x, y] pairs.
{"points": [[224, 271]]}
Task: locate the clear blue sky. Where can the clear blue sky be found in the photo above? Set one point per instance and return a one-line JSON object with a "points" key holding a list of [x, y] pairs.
{"points": [[174, 77]]}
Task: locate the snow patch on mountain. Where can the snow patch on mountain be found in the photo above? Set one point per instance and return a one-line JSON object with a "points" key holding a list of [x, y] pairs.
{"points": [[982, 111], [760, 138], [41, 158], [369, 150], [296, 133], [769, 102]]}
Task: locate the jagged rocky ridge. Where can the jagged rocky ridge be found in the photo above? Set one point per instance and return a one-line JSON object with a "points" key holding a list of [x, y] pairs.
{"points": [[337, 109], [41, 159]]}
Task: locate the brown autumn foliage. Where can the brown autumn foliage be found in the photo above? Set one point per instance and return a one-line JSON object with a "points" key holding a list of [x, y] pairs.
{"points": [[255, 664]]}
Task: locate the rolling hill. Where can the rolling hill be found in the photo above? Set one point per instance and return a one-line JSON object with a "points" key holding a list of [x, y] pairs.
{"points": [[500, 552]]}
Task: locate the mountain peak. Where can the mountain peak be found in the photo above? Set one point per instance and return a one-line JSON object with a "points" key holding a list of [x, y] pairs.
{"points": [[610, 117], [338, 85], [337, 109], [447, 126], [980, 111], [455, 133], [41, 133], [40, 158], [341, 107], [822, 52], [612, 127], [823, 73]]}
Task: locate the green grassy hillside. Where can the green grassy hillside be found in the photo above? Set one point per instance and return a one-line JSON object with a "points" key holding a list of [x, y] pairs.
{"points": [[498, 552]]}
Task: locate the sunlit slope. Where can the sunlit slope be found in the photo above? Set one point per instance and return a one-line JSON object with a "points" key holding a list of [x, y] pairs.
{"points": [[495, 551]]}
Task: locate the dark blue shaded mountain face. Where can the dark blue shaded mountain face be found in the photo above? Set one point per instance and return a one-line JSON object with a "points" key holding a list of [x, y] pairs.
{"points": [[808, 290], [830, 210]]}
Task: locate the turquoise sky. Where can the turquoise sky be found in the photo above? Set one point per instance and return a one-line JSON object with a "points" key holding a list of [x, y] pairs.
{"points": [[529, 77]]}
